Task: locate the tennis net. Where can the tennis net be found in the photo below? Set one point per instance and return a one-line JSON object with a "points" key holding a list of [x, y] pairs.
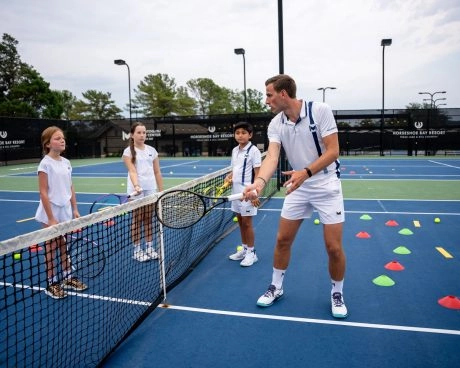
{"points": [[83, 328]]}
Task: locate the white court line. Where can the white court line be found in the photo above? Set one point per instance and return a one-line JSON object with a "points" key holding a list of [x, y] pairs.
{"points": [[380, 212], [88, 296], [252, 315], [444, 164], [315, 321]]}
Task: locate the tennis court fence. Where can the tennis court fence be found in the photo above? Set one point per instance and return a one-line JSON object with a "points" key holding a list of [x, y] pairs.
{"points": [[82, 329]]}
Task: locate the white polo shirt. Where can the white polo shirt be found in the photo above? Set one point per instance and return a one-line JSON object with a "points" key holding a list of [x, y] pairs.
{"points": [[144, 167], [298, 141], [243, 161]]}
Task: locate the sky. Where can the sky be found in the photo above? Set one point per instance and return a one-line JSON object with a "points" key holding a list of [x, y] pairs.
{"points": [[327, 43]]}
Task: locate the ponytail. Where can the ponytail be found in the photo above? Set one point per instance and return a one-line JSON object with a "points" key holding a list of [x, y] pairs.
{"points": [[131, 142]]}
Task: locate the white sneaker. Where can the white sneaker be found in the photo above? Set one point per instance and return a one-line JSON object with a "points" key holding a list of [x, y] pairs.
{"points": [[270, 296], [238, 256], [140, 256], [249, 259], [150, 252], [339, 309]]}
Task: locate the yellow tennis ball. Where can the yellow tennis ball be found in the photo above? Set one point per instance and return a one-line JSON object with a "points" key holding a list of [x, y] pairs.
{"points": [[235, 219], [316, 222], [122, 184], [239, 248], [437, 220], [17, 256]]}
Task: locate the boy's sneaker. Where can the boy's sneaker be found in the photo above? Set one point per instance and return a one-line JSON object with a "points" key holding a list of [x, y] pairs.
{"points": [[249, 259], [238, 256], [55, 291], [140, 256], [74, 284], [339, 310], [270, 296], [150, 252]]}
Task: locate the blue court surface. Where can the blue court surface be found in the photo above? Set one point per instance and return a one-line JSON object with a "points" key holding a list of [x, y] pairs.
{"points": [[211, 319]]}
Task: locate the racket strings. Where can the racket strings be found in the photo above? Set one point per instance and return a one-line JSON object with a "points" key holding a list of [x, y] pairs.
{"points": [[181, 209]]}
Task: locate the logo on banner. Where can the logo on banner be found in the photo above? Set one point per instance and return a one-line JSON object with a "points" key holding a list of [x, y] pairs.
{"points": [[211, 129], [125, 136], [418, 124], [3, 134]]}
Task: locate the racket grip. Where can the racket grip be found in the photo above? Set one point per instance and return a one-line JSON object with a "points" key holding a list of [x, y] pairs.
{"points": [[238, 196], [134, 194]]}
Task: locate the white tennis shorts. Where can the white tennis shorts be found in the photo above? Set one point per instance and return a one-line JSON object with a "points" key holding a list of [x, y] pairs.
{"points": [[326, 198], [61, 213], [244, 208]]}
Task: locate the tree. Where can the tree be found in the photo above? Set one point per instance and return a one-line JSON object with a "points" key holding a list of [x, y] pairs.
{"points": [[23, 92], [210, 98], [185, 103], [67, 100], [256, 101], [156, 95], [98, 106]]}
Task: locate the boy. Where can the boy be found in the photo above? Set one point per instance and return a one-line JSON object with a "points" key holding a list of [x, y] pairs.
{"points": [[246, 161]]}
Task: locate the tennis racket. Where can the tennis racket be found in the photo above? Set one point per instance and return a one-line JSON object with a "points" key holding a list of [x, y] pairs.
{"points": [[179, 209], [109, 200], [223, 189], [86, 256]]}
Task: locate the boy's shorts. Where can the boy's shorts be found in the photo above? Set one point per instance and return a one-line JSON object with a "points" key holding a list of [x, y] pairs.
{"points": [[326, 198], [244, 208]]}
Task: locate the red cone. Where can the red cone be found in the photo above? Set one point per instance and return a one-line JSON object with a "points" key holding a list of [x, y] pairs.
{"points": [[391, 223], [363, 235], [450, 301], [394, 266]]}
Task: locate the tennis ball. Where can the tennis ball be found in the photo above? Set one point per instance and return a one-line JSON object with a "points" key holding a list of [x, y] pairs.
{"points": [[171, 172], [235, 219], [316, 222], [239, 248], [437, 220], [17, 256], [122, 184]]}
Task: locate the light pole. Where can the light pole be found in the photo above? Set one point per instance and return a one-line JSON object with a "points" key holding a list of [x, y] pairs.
{"points": [[432, 96], [428, 122], [242, 52], [122, 62], [438, 99], [324, 91], [385, 42]]}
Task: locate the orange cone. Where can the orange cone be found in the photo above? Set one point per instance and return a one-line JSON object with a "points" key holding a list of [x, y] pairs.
{"points": [[450, 301], [391, 223]]}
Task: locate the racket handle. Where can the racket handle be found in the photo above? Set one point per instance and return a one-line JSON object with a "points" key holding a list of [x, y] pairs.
{"points": [[134, 194], [238, 196]]}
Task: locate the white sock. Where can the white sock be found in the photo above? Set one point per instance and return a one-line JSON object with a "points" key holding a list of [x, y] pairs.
{"points": [[250, 249], [245, 247], [337, 286], [149, 244], [67, 275], [278, 278], [137, 248]]}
